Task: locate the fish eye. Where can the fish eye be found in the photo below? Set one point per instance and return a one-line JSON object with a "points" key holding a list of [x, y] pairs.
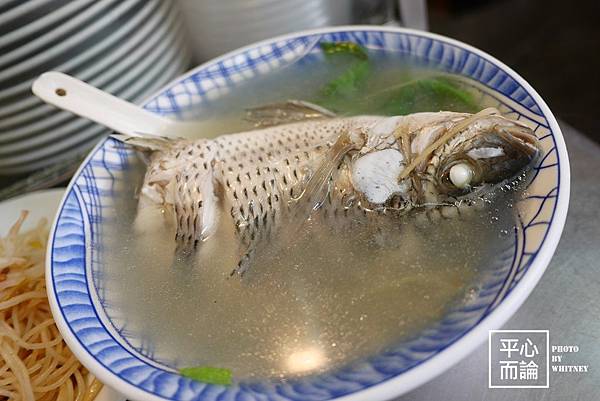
{"points": [[461, 175]]}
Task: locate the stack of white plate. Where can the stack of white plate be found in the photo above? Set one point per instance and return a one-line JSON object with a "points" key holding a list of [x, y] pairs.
{"points": [[216, 27], [127, 47]]}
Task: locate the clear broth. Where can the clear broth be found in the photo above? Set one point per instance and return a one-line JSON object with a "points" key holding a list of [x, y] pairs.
{"points": [[333, 295]]}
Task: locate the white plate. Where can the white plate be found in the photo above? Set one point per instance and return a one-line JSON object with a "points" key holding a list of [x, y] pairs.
{"points": [[41, 204], [158, 77], [96, 13], [39, 152], [162, 46], [20, 10], [112, 46], [40, 24], [121, 72]]}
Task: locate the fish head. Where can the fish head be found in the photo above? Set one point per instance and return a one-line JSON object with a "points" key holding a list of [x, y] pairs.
{"points": [[492, 151]]}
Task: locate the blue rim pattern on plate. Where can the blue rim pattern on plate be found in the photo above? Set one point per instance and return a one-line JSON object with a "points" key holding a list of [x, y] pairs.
{"points": [[74, 253]]}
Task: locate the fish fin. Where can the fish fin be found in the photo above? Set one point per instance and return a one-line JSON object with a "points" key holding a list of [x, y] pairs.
{"points": [[249, 237], [311, 198], [196, 212], [286, 112], [244, 262], [316, 190], [150, 143], [175, 180]]}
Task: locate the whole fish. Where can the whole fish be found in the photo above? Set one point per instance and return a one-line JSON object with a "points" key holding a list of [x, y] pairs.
{"points": [[263, 178]]}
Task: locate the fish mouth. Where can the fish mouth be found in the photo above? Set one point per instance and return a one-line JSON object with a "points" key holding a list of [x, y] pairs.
{"points": [[523, 139], [521, 149]]}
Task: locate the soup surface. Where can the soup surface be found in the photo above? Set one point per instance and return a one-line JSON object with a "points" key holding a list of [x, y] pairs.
{"points": [[314, 299]]}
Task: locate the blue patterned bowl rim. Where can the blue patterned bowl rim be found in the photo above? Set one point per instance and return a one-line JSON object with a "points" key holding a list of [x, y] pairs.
{"points": [[351, 387]]}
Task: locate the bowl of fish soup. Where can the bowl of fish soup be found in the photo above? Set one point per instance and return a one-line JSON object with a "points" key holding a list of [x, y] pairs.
{"points": [[406, 315]]}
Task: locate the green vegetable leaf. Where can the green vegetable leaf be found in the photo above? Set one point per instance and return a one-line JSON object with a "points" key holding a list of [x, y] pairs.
{"points": [[349, 81], [426, 94], [207, 374], [352, 48], [347, 92], [353, 59]]}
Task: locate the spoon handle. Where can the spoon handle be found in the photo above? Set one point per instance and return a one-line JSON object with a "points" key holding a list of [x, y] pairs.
{"points": [[84, 100]]}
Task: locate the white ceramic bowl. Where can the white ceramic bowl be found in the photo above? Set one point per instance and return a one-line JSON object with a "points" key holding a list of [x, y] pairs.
{"points": [[119, 360]]}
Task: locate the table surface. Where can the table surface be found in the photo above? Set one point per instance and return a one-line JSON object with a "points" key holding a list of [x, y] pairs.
{"points": [[566, 301]]}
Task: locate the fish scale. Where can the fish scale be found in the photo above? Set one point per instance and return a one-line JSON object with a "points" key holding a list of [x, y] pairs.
{"points": [[264, 172]]}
